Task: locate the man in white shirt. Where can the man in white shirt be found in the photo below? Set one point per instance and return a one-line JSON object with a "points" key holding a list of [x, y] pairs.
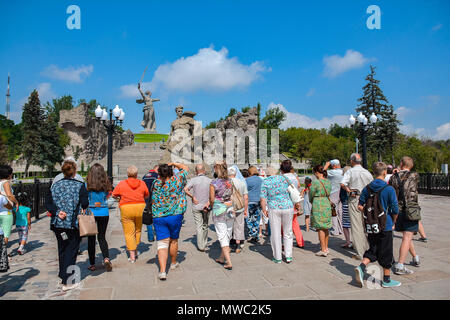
{"points": [[200, 204], [354, 181], [335, 175]]}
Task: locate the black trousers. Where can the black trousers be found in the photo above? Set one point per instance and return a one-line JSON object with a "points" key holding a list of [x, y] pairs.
{"points": [[67, 250], [102, 224], [381, 249]]}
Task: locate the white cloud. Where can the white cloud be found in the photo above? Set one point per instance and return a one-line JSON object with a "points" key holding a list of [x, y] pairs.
{"points": [[410, 130], [443, 132], [45, 92], [69, 74], [437, 27], [208, 69], [402, 112], [336, 65], [301, 120]]}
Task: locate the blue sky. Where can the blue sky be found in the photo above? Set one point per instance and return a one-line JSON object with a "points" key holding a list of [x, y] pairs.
{"points": [[209, 56]]}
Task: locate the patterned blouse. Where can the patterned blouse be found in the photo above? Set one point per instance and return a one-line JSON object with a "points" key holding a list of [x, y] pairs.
{"points": [[223, 189], [169, 199], [275, 190]]}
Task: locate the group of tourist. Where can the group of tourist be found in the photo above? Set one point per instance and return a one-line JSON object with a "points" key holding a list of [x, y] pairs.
{"points": [[239, 203]]}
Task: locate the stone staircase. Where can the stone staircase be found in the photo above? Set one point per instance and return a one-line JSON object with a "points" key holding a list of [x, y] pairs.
{"points": [[143, 155]]}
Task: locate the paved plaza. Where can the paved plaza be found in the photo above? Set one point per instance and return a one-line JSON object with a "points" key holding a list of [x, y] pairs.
{"points": [[254, 275]]}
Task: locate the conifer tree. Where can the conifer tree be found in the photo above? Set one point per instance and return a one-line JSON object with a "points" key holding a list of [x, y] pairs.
{"points": [[32, 119], [381, 136]]}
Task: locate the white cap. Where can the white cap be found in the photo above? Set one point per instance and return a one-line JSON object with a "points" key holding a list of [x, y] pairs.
{"points": [[334, 162]]}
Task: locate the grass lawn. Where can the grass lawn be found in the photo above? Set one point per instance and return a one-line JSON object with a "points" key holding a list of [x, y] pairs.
{"points": [[142, 137]]}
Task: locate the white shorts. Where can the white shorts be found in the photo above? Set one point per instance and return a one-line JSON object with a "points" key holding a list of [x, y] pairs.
{"points": [[224, 229]]}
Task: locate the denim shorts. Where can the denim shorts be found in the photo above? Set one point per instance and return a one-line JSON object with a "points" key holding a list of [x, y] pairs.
{"points": [[168, 227]]}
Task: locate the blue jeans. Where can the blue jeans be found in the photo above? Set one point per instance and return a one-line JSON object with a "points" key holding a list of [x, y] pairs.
{"points": [[150, 233]]}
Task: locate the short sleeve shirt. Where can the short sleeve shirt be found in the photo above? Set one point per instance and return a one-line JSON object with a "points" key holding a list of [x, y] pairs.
{"points": [[21, 216], [169, 199], [223, 189], [254, 188], [357, 178], [335, 176], [274, 190], [200, 186]]}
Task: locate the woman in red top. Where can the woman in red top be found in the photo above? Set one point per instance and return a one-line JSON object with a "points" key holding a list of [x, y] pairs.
{"points": [[132, 193]]}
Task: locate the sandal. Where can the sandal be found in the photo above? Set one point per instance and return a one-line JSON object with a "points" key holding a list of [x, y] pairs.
{"points": [[108, 265], [219, 261], [228, 267], [92, 268]]}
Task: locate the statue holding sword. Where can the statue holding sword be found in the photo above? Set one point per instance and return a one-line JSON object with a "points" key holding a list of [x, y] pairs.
{"points": [[148, 121]]}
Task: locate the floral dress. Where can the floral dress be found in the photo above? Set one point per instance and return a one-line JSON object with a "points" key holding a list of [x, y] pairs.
{"points": [[321, 208]]}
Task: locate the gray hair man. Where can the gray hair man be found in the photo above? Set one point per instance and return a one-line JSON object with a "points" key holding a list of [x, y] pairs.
{"points": [[354, 181], [61, 175], [239, 222], [199, 186], [335, 175]]}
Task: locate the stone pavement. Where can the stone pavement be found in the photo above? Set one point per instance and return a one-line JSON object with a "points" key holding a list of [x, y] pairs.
{"points": [[254, 276]]}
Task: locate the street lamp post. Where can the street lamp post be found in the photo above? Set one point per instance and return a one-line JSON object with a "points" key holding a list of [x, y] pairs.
{"points": [[110, 126], [364, 127]]}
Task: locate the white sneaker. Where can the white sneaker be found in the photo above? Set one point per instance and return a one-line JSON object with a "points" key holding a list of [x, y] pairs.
{"points": [[162, 276], [68, 287], [174, 266]]}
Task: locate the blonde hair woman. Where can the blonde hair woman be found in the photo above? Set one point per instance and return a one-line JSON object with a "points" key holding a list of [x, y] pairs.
{"points": [[132, 193]]}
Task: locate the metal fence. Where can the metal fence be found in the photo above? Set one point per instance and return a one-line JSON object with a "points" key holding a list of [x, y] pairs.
{"points": [[435, 183], [36, 191]]}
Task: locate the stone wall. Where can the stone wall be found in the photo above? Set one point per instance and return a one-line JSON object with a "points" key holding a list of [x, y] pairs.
{"points": [[89, 135]]}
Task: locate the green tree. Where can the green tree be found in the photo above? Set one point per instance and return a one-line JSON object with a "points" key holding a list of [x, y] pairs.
{"points": [[384, 131], [3, 149], [62, 103], [51, 151], [337, 131], [245, 109], [231, 113], [13, 135], [32, 120], [423, 155], [297, 141], [272, 119], [326, 147]]}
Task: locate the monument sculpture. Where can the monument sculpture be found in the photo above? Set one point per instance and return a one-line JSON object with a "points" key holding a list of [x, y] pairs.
{"points": [[184, 120], [148, 122]]}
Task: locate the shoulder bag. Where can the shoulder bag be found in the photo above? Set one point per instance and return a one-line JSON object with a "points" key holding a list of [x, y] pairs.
{"points": [[293, 192], [236, 198], [333, 206]]}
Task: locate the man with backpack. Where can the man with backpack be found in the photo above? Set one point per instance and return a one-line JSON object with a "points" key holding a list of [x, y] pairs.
{"points": [[379, 205]]}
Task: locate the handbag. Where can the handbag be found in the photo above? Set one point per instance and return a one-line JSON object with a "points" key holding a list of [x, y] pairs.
{"points": [[147, 216], [412, 208], [86, 224], [332, 204], [236, 198], [293, 192]]}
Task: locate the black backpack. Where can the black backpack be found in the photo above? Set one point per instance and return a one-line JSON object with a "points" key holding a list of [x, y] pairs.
{"points": [[374, 214]]}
